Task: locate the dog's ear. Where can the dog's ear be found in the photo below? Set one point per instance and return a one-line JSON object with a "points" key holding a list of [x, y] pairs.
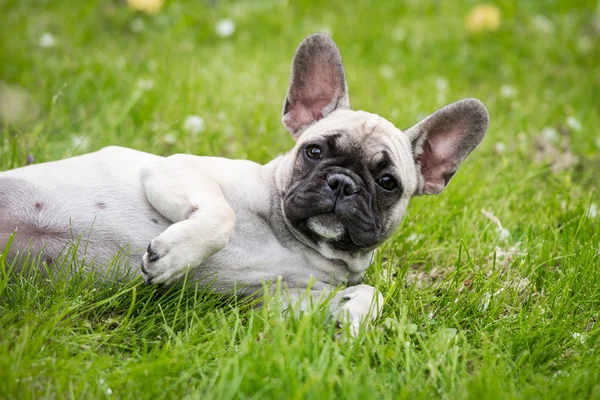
{"points": [[317, 85], [442, 141]]}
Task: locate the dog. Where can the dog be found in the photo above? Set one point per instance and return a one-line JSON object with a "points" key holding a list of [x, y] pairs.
{"points": [[310, 219]]}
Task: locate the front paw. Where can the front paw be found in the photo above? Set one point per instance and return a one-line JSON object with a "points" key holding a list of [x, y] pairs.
{"points": [[359, 305], [162, 264]]}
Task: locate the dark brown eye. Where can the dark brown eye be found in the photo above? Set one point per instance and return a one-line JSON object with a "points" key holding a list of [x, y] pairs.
{"points": [[313, 152], [387, 182]]}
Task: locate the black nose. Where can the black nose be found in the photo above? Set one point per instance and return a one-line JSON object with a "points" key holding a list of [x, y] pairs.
{"points": [[341, 183]]}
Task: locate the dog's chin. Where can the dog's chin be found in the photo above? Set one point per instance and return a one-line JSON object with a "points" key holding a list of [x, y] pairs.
{"points": [[326, 226]]}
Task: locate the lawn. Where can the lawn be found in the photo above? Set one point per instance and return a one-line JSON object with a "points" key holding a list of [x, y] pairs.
{"points": [[492, 289]]}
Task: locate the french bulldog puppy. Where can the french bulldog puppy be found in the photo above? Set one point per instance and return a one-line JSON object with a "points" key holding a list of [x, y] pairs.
{"points": [[310, 218]]}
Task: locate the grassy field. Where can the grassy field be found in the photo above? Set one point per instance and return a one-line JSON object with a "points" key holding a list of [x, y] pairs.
{"points": [[492, 288]]}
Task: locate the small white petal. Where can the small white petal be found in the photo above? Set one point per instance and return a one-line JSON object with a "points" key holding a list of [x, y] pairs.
{"points": [[441, 84], [108, 391], [414, 237], [387, 72], [47, 40], [80, 142], [543, 24], [551, 134], [574, 123], [225, 27], [578, 336], [398, 35], [507, 91], [194, 124], [169, 139], [500, 147], [592, 212], [145, 84]]}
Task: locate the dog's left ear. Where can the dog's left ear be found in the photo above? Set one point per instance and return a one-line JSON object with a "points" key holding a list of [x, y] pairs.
{"points": [[442, 141], [317, 85]]}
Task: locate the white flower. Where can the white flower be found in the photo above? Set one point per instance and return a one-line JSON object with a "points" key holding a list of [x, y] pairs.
{"points": [[441, 84], [414, 237], [145, 84], [80, 142], [194, 124], [225, 27], [387, 72], [592, 212], [47, 40], [507, 91], [578, 336], [168, 139], [550, 134], [398, 34], [574, 123], [543, 24], [108, 391], [500, 147]]}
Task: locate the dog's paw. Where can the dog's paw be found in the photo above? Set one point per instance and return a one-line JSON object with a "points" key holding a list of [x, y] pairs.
{"points": [[359, 304], [163, 262]]}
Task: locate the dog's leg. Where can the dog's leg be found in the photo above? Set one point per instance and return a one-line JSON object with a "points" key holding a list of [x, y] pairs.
{"points": [[203, 221], [354, 305]]}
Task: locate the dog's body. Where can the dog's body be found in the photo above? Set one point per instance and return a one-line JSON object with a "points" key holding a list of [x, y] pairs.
{"points": [[310, 218], [108, 213]]}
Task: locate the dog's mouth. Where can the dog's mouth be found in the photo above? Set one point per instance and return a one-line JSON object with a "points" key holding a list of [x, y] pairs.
{"points": [[330, 228], [327, 226], [323, 213]]}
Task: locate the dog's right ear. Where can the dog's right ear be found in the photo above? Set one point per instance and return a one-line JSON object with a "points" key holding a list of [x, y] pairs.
{"points": [[442, 141], [317, 85]]}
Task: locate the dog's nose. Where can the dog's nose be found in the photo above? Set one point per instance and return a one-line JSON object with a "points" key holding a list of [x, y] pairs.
{"points": [[342, 184]]}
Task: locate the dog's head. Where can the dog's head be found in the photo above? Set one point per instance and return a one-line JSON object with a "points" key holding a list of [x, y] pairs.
{"points": [[346, 184]]}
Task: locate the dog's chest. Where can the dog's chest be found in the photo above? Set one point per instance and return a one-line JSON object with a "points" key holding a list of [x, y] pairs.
{"points": [[259, 253]]}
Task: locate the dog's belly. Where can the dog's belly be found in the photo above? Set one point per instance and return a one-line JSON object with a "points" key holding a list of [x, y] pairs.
{"points": [[92, 206]]}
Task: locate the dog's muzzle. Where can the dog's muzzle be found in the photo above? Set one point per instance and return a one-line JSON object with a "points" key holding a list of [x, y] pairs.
{"points": [[342, 185]]}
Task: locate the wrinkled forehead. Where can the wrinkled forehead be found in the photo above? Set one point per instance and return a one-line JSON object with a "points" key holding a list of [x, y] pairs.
{"points": [[372, 138], [353, 130]]}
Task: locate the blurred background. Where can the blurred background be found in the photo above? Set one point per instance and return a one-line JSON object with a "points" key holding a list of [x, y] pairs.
{"points": [[209, 77]]}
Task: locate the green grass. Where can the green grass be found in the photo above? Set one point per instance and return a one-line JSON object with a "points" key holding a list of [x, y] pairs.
{"points": [[469, 313]]}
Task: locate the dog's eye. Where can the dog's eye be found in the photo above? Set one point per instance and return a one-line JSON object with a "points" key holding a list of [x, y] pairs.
{"points": [[387, 182], [313, 152]]}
